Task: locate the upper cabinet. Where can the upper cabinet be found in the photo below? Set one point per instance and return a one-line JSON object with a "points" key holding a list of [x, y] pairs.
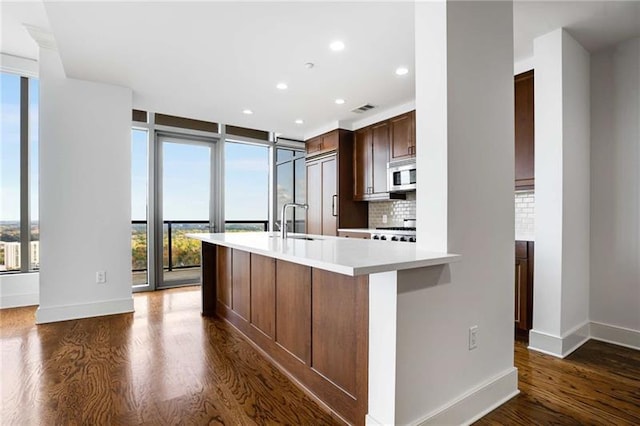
{"points": [[370, 158], [403, 136], [322, 144], [330, 185], [524, 130], [374, 147]]}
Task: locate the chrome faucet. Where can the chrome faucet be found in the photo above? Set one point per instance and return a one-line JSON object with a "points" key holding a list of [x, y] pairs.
{"points": [[283, 217]]}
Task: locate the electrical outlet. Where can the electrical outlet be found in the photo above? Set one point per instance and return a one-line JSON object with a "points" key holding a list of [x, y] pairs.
{"points": [[101, 277], [384, 218], [473, 337]]}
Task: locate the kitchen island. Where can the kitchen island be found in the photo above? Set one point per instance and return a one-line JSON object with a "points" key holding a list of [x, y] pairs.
{"points": [[322, 308]]}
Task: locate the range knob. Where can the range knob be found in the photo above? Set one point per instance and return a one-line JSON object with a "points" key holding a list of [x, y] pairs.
{"points": [[403, 239], [383, 238], [394, 238], [412, 239], [376, 237]]}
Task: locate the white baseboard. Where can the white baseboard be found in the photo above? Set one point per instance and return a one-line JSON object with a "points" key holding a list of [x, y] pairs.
{"points": [[617, 335], [559, 346], [84, 310], [370, 421], [19, 300], [477, 402]]}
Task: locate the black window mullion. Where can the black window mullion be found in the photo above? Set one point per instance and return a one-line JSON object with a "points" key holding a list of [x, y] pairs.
{"points": [[25, 217]]}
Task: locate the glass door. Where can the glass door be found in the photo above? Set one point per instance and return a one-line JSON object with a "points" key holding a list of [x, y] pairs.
{"points": [[185, 183]]}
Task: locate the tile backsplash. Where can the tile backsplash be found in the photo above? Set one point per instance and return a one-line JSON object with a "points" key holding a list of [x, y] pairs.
{"points": [[525, 214], [396, 211]]}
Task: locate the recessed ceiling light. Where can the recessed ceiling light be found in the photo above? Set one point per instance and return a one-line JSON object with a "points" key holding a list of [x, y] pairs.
{"points": [[337, 46], [247, 111], [339, 101], [298, 121], [282, 86], [401, 71]]}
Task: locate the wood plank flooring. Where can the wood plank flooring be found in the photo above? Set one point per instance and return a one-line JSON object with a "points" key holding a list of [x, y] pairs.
{"points": [[599, 384], [164, 364]]}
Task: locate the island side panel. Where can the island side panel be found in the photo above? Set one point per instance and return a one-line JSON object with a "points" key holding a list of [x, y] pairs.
{"points": [[263, 294], [334, 328], [208, 262], [340, 344], [224, 271], [280, 320], [293, 309], [241, 279]]}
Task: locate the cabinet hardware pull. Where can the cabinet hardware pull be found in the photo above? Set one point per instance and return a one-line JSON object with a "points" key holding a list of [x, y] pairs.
{"points": [[518, 269], [333, 205]]}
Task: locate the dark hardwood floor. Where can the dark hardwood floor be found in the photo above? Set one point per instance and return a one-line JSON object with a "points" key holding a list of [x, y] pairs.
{"points": [[164, 364], [599, 384]]}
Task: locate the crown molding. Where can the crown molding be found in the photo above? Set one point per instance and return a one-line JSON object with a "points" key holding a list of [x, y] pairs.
{"points": [[18, 65], [44, 38]]}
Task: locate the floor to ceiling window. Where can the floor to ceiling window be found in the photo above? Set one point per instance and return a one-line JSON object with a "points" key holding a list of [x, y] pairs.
{"points": [[139, 206], [291, 186], [246, 187], [177, 188], [19, 226], [186, 200]]}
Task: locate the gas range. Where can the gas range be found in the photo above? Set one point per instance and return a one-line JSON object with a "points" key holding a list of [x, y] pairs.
{"points": [[395, 233]]}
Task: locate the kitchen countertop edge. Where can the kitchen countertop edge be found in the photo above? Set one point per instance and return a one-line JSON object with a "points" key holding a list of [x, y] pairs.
{"points": [[421, 258]]}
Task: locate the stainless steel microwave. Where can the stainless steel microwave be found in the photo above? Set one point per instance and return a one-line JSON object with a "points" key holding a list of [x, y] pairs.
{"points": [[401, 175]]}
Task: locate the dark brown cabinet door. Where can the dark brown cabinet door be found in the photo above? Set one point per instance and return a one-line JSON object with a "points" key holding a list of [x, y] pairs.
{"points": [[224, 269], [524, 130], [314, 198], [403, 136], [293, 309], [523, 311], [313, 146], [521, 286], [380, 154], [322, 196], [263, 294], [361, 163], [330, 141], [241, 278], [323, 144], [329, 197]]}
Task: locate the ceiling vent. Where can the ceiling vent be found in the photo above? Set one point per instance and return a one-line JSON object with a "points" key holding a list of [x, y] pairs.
{"points": [[363, 108]]}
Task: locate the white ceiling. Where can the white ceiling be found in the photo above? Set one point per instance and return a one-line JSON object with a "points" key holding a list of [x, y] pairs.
{"points": [[211, 60]]}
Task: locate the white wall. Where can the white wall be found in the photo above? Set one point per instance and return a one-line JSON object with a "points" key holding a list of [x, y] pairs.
{"points": [[465, 205], [615, 187], [19, 290], [85, 143], [562, 128]]}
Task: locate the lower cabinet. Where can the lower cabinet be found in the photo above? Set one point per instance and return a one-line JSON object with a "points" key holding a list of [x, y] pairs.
{"points": [[524, 286], [312, 323]]}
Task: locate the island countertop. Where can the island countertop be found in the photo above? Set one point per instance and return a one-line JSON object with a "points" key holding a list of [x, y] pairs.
{"points": [[347, 256]]}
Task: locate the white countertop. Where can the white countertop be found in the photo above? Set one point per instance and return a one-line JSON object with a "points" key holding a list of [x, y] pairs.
{"points": [[348, 256], [364, 230], [525, 237]]}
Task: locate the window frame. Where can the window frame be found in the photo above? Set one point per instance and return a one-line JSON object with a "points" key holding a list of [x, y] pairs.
{"points": [[25, 180]]}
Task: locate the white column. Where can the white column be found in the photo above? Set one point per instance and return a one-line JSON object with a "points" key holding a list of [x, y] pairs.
{"points": [[85, 187], [465, 159], [562, 172], [615, 194]]}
